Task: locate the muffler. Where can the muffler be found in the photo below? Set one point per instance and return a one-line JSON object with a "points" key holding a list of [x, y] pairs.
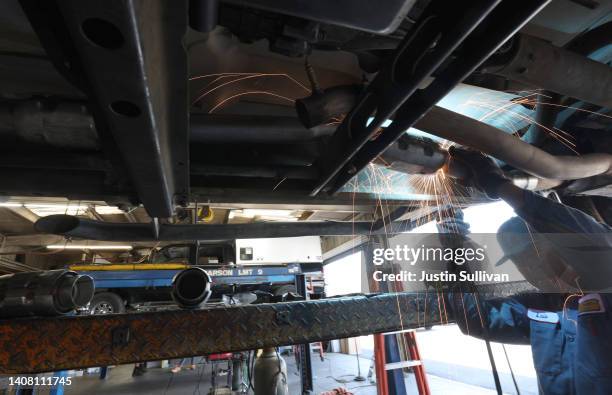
{"points": [[191, 288], [52, 292]]}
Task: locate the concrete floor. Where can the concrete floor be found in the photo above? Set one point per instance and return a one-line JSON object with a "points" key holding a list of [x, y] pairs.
{"points": [[337, 370], [448, 353]]}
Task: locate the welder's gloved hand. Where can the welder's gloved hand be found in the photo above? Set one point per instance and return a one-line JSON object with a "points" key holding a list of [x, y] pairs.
{"points": [[481, 171]]}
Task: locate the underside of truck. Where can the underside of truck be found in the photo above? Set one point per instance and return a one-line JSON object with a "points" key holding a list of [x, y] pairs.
{"points": [[331, 111]]}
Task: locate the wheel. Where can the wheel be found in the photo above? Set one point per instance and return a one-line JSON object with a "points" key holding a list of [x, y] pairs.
{"points": [[106, 303]]}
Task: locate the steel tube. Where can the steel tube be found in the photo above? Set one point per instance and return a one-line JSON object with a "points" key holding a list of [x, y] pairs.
{"points": [[292, 172], [543, 65], [510, 149], [97, 230], [191, 287], [210, 128], [72, 126], [203, 14], [53, 292]]}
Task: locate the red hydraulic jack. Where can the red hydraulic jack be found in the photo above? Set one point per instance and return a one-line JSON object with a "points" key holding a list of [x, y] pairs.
{"points": [[381, 365]]}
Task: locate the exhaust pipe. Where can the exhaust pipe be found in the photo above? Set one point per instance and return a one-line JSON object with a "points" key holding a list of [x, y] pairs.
{"points": [[83, 228], [535, 62], [52, 292], [510, 149], [191, 288], [321, 107], [254, 129]]}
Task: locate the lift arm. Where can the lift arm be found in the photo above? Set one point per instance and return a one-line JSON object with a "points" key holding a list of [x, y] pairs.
{"points": [[53, 344]]}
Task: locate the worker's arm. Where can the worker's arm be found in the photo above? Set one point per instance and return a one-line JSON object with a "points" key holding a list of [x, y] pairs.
{"points": [[497, 319], [501, 320], [546, 215], [573, 244], [543, 215]]}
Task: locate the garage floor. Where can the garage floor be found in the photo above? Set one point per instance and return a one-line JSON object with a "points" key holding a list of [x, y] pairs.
{"points": [[339, 366]]}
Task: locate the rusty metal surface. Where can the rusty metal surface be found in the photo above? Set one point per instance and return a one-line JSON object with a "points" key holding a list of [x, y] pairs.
{"points": [[53, 344]]}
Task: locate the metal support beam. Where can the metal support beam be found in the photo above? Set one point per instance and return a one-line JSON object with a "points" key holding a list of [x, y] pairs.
{"points": [[502, 23], [35, 345], [130, 61], [440, 30], [394, 93], [79, 185]]}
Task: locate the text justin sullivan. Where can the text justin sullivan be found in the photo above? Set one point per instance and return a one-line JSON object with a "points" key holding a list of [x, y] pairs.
{"points": [[478, 275]]}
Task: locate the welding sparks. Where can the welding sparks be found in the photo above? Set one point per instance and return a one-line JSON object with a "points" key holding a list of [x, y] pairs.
{"points": [[443, 194], [206, 92], [447, 195], [220, 81], [517, 120], [563, 137], [227, 99]]}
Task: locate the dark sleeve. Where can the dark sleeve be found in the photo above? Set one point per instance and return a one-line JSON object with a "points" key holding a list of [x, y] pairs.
{"points": [[547, 216], [501, 320]]}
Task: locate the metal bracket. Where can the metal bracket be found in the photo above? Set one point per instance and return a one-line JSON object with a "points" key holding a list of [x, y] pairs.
{"points": [[121, 336], [283, 318]]}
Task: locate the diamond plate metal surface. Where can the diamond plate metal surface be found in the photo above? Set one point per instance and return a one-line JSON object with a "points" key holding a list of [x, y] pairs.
{"points": [[50, 344]]}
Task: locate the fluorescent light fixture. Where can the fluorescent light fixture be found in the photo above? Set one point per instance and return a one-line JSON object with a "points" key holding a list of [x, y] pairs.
{"points": [[87, 247], [266, 214], [253, 212], [10, 204], [56, 206], [271, 218], [44, 209], [108, 210]]}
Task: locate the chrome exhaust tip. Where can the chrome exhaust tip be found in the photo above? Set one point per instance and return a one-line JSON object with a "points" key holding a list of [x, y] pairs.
{"points": [[191, 287]]}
